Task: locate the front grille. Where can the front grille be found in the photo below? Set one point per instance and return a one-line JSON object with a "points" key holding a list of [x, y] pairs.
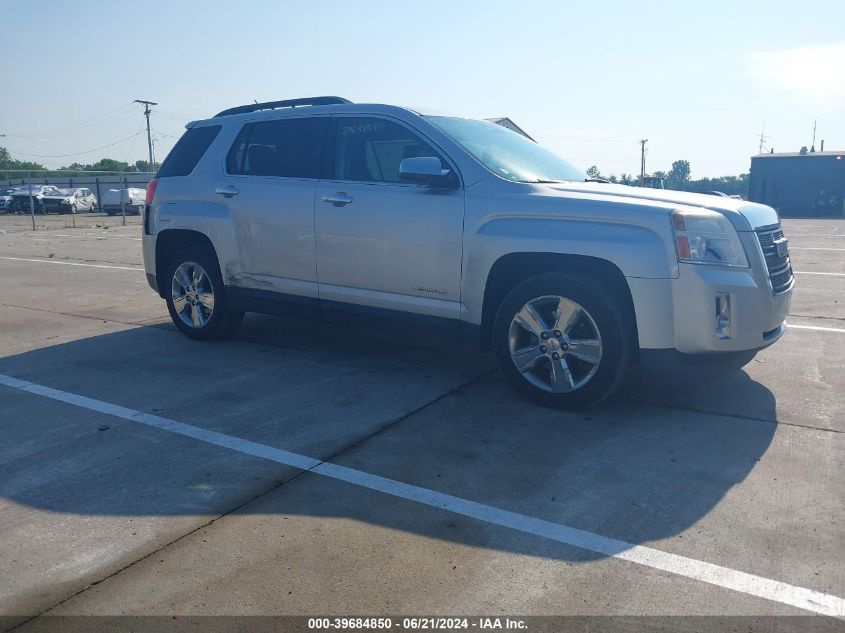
{"points": [[780, 268]]}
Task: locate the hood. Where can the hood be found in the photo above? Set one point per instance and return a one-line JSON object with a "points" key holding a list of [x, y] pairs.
{"points": [[743, 215]]}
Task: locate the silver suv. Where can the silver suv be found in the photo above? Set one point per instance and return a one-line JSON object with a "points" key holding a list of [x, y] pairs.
{"points": [[442, 226]]}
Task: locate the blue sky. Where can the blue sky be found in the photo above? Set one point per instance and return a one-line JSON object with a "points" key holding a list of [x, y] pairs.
{"points": [[697, 79]]}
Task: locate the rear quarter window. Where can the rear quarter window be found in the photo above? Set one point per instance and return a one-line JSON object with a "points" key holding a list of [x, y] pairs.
{"points": [[187, 152]]}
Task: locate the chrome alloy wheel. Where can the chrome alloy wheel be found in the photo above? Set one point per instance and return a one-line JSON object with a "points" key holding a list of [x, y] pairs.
{"points": [[193, 295], [555, 344]]}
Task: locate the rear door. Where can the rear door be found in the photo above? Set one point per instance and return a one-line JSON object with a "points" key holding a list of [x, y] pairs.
{"points": [[269, 185]]}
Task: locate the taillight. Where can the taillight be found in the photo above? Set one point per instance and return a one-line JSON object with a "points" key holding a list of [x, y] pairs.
{"points": [[151, 190]]}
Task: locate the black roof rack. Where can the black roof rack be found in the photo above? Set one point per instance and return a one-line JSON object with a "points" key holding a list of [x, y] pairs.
{"points": [[289, 103]]}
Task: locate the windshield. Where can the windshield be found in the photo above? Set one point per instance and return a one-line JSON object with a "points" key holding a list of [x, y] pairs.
{"points": [[506, 153]]}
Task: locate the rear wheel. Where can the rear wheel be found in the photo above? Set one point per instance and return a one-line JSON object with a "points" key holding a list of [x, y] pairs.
{"points": [[196, 296], [563, 340]]}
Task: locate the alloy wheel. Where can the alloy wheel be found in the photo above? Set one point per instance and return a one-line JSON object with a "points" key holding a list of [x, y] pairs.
{"points": [[192, 294], [555, 344]]}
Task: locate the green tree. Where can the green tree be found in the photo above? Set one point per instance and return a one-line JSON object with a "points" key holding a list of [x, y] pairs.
{"points": [[679, 176], [144, 165], [110, 164], [9, 166], [593, 172]]}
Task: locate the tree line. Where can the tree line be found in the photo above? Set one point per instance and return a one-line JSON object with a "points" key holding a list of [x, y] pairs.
{"points": [[678, 178], [11, 168]]}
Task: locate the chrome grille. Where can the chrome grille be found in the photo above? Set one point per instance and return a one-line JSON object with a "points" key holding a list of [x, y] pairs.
{"points": [[780, 268]]}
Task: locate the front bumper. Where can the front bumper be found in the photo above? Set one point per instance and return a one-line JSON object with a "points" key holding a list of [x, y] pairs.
{"points": [[682, 314], [672, 367], [21, 205]]}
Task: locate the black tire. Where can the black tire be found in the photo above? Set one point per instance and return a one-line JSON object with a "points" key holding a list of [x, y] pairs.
{"points": [[222, 321], [110, 213], [610, 318]]}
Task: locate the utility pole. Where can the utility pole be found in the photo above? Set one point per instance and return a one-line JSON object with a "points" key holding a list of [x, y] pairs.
{"points": [[642, 161], [763, 139], [813, 144], [147, 111]]}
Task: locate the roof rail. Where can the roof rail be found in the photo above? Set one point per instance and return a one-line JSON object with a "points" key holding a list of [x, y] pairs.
{"points": [[289, 103]]}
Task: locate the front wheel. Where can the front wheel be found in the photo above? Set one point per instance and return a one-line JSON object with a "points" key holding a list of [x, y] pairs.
{"points": [[196, 296], [564, 340]]}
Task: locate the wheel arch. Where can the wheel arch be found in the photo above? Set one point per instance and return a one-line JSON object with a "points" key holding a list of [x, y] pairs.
{"points": [[167, 243], [514, 268]]}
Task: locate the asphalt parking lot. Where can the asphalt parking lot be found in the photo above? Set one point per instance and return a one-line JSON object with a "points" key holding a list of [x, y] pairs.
{"points": [[307, 470]]}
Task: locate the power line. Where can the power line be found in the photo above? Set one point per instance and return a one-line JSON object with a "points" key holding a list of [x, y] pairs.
{"points": [[583, 139], [90, 151], [109, 118], [132, 144]]}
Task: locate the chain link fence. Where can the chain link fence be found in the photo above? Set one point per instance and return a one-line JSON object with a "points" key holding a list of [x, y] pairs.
{"points": [[42, 200]]}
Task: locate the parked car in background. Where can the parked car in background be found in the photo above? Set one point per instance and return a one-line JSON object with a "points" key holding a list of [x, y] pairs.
{"points": [[20, 197], [379, 215], [70, 201], [722, 194], [132, 198], [6, 199]]}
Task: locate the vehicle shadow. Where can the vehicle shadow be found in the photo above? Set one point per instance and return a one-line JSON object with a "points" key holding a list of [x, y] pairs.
{"points": [[433, 417]]}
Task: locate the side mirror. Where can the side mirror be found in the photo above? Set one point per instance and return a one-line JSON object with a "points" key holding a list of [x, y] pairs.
{"points": [[424, 169]]}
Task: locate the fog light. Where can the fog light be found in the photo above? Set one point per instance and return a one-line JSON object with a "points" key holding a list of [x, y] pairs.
{"points": [[723, 315]]}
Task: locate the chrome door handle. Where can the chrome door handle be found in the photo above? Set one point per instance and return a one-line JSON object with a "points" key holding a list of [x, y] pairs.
{"points": [[227, 191], [339, 199]]}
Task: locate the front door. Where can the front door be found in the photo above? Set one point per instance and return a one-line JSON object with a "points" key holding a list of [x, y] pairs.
{"points": [[382, 242]]}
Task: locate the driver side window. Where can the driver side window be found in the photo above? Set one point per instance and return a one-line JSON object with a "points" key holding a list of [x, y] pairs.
{"points": [[369, 149]]}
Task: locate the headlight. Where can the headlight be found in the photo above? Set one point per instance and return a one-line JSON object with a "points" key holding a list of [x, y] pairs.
{"points": [[707, 237]]}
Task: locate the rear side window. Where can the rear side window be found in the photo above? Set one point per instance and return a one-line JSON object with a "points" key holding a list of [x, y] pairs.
{"points": [[187, 152], [288, 148]]}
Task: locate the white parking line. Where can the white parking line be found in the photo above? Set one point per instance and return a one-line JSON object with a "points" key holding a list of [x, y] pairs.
{"points": [[814, 248], [817, 328], [54, 261], [808, 599], [806, 272]]}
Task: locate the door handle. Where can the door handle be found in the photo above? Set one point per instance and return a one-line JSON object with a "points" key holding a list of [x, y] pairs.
{"points": [[340, 199], [227, 191]]}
